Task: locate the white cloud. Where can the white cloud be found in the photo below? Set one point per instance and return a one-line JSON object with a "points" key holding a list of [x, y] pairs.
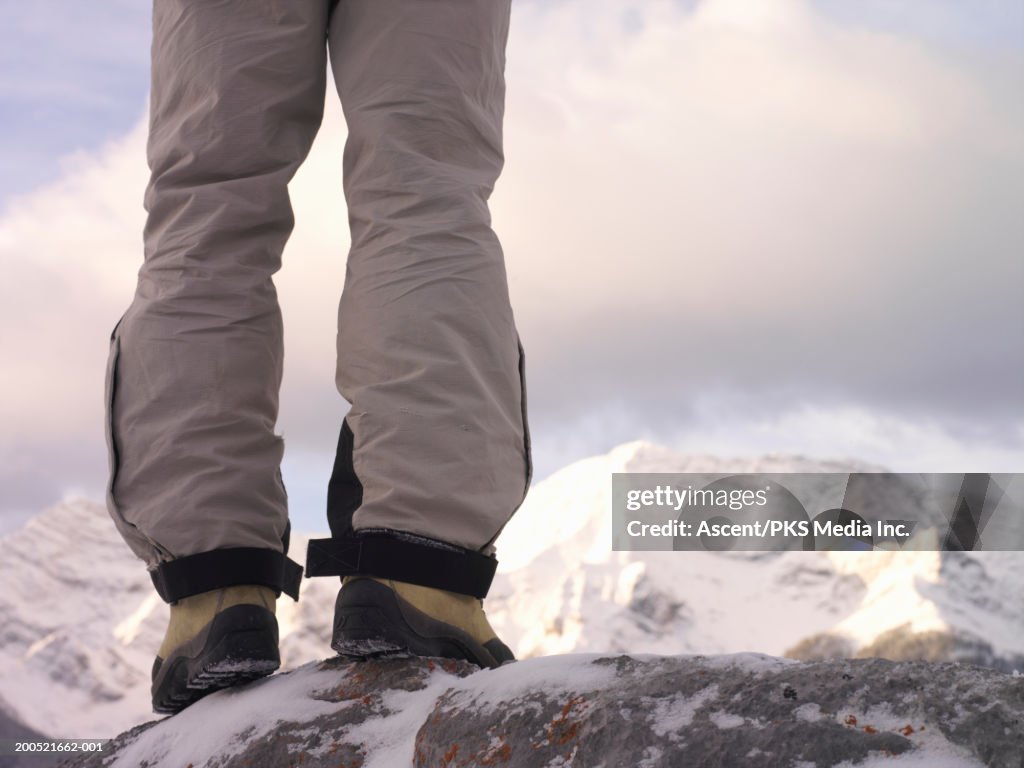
{"points": [[747, 197]]}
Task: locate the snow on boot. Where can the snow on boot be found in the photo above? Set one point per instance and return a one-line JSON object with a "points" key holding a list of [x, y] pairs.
{"points": [[382, 617], [215, 640]]}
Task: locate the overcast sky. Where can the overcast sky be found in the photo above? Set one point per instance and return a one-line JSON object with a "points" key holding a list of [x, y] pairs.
{"points": [[731, 226]]}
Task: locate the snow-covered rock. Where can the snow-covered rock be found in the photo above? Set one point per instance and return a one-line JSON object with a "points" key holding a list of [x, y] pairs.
{"points": [[597, 711]]}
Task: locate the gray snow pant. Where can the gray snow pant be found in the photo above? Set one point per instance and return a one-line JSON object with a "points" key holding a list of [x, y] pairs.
{"points": [[434, 455]]}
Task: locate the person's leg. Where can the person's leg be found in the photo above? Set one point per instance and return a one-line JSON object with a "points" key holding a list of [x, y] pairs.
{"points": [[434, 455], [196, 361]]}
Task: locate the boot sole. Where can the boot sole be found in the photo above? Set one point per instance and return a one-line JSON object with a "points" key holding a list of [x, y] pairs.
{"points": [[238, 646], [371, 621]]}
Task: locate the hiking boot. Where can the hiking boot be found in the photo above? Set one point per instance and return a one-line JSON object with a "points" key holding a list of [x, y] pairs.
{"points": [[215, 640], [382, 617]]}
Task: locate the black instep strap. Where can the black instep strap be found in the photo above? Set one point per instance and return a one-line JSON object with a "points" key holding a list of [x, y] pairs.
{"points": [[402, 559], [206, 571]]}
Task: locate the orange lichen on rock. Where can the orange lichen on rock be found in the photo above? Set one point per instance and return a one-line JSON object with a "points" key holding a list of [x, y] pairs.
{"points": [[501, 753], [560, 730], [451, 753]]}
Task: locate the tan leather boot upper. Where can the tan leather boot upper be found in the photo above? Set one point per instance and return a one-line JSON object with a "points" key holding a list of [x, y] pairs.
{"points": [[189, 615], [462, 611]]}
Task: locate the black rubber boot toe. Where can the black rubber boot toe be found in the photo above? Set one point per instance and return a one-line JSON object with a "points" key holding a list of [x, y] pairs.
{"points": [[239, 645], [372, 620]]}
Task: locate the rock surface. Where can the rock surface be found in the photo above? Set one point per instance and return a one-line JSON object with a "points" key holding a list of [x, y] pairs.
{"points": [[596, 710]]}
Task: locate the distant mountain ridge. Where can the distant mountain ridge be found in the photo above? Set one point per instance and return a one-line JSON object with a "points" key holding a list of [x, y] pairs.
{"points": [[79, 621]]}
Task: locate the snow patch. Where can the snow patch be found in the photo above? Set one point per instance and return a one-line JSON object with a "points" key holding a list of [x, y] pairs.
{"points": [[726, 720], [809, 713], [677, 712], [209, 728]]}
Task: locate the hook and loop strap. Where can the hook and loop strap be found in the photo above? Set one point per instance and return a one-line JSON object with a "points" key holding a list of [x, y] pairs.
{"points": [[206, 571], [403, 558]]}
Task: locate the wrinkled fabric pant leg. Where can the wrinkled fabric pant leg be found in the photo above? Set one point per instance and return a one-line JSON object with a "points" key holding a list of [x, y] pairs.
{"points": [[196, 361], [436, 442]]}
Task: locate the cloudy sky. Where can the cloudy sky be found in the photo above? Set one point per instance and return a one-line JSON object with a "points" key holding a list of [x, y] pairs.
{"points": [[732, 226]]}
